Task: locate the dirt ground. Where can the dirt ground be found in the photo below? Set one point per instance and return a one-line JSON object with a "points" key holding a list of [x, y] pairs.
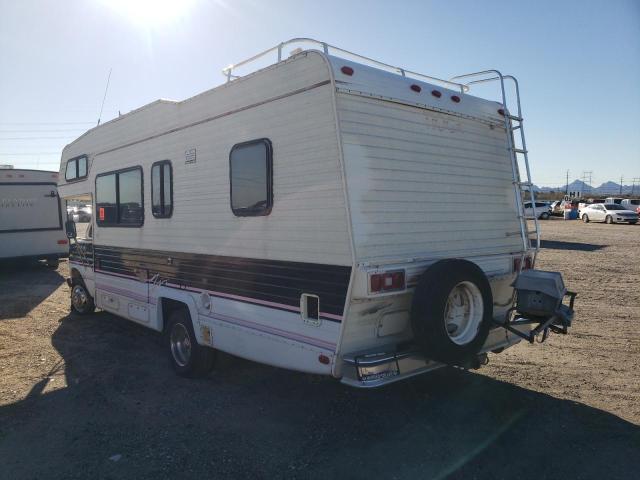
{"points": [[94, 397]]}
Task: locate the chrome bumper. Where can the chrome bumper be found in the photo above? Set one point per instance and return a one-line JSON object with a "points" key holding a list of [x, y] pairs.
{"points": [[384, 365]]}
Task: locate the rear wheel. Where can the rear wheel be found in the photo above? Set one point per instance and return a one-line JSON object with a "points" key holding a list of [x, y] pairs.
{"points": [[609, 219], [585, 218], [452, 311], [187, 357], [544, 216], [52, 262]]}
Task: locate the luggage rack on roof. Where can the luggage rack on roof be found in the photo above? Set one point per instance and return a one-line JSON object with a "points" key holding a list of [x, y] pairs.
{"points": [[331, 49]]}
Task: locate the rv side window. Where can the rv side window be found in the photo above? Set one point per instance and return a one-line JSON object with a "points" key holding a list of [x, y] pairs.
{"points": [[119, 198], [76, 168], [251, 176], [161, 189]]}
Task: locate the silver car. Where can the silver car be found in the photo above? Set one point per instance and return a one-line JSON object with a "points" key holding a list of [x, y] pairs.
{"points": [[608, 213]]}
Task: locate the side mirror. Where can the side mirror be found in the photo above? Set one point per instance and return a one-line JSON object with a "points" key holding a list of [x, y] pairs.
{"points": [[70, 227]]}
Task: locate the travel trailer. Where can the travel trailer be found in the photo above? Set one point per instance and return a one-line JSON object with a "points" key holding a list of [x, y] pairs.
{"points": [[309, 215], [31, 221]]}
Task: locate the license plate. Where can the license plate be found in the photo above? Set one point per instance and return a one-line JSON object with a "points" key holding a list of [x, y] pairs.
{"points": [[378, 372]]}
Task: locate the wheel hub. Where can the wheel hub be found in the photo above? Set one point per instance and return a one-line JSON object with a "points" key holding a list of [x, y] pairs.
{"points": [[79, 298], [180, 344], [463, 313]]}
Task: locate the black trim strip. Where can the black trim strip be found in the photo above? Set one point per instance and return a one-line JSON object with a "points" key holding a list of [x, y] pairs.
{"points": [[274, 281]]}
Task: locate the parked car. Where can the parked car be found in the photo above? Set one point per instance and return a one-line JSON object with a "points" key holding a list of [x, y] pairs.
{"points": [[557, 208], [82, 214], [608, 213], [632, 204], [542, 210], [616, 200]]}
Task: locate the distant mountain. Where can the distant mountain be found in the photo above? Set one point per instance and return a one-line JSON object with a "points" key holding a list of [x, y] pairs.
{"points": [[607, 188]]}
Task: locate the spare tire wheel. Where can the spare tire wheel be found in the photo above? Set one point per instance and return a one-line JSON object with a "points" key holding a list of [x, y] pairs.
{"points": [[452, 310]]}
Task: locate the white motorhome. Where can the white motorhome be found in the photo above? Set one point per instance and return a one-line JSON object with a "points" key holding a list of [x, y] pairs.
{"points": [[309, 215], [31, 217]]}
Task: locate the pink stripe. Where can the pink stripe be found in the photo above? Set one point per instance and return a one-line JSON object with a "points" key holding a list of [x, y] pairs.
{"points": [[116, 274], [125, 293]]}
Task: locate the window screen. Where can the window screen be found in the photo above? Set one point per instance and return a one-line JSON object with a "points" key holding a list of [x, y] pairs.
{"points": [[119, 198], [76, 168], [161, 189], [251, 176]]}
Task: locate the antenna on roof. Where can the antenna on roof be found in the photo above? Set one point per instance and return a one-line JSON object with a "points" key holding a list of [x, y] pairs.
{"points": [[105, 95]]}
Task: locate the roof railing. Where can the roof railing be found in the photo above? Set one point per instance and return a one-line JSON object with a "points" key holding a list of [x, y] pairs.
{"points": [[331, 49]]}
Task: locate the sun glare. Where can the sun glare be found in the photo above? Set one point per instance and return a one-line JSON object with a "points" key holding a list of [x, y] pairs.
{"points": [[151, 13]]}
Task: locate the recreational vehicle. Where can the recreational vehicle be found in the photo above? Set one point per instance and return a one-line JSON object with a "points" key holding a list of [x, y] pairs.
{"points": [[309, 215], [31, 220]]}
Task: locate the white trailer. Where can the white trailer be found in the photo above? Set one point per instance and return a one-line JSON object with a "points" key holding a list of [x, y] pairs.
{"points": [[31, 217], [311, 215]]}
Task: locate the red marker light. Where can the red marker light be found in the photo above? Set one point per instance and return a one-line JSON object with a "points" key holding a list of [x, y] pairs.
{"points": [[347, 70], [455, 98], [436, 93], [62, 242], [501, 111], [324, 359], [416, 88]]}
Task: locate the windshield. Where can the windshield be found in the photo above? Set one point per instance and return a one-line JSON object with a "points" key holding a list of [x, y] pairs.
{"points": [[612, 206]]}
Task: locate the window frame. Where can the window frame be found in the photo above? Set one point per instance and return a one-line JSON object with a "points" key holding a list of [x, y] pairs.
{"points": [[77, 162], [100, 223], [160, 164], [265, 211]]}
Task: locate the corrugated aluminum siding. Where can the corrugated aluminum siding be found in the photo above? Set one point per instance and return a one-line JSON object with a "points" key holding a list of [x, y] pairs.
{"points": [[424, 184]]}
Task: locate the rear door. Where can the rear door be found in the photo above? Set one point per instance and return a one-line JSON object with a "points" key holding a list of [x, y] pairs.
{"points": [[29, 207]]}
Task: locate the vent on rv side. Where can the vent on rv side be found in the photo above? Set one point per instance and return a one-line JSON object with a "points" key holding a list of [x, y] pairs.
{"points": [[310, 308]]}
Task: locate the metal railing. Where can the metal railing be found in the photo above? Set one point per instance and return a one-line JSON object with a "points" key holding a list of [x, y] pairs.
{"points": [[331, 50], [514, 151]]}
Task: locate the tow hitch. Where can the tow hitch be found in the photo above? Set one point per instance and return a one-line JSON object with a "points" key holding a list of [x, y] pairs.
{"points": [[540, 301]]}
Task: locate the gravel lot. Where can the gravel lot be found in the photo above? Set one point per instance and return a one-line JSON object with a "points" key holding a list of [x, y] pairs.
{"points": [[94, 397]]}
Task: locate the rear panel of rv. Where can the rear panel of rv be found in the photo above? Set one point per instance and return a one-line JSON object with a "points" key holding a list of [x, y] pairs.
{"points": [[427, 178]]}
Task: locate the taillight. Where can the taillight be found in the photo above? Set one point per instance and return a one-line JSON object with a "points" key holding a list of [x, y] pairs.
{"points": [[528, 263], [386, 282], [62, 242]]}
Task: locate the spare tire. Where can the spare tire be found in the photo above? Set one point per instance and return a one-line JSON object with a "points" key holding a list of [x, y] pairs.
{"points": [[452, 311]]}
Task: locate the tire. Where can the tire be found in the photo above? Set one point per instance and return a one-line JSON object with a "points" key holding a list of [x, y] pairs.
{"points": [[53, 262], [608, 219], [585, 218], [187, 357], [544, 216], [633, 222], [436, 319], [81, 302]]}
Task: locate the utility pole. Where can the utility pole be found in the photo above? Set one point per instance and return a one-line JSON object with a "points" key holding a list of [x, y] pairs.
{"points": [[567, 185], [633, 184], [621, 185], [586, 184]]}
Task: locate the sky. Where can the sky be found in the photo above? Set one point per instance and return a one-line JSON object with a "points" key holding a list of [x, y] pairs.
{"points": [[578, 63]]}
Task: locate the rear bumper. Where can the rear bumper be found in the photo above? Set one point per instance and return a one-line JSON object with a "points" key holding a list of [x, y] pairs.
{"points": [[387, 365], [41, 256]]}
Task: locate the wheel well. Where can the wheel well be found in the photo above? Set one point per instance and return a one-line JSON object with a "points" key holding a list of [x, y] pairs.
{"points": [[75, 276], [169, 305]]}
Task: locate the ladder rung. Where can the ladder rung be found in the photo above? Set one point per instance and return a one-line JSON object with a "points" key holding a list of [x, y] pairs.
{"points": [[519, 150], [524, 184], [516, 127], [515, 117]]}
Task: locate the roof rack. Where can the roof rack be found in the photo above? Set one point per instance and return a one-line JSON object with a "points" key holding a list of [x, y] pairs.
{"points": [[331, 49]]}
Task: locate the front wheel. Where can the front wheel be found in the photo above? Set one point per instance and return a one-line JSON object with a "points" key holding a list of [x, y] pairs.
{"points": [[81, 301], [544, 216], [609, 219], [585, 218], [633, 222], [187, 357]]}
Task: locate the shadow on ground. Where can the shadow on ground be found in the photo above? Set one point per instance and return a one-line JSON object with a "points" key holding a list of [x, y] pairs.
{"points": [[250, 420], [560, 245], [15, 301]]}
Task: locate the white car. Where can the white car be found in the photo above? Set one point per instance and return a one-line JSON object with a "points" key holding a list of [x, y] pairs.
{"points": [[542, 210], [608, 213]]}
